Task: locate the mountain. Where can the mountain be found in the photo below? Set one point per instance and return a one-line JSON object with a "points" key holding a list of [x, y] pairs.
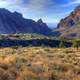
{"points": [[15, 23], [69, 27]]}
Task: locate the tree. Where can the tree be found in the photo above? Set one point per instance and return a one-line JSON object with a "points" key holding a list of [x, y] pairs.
{"points": [[62, 44], [75, 43]]}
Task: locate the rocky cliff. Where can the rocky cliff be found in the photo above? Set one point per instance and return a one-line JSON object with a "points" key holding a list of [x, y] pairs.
{"points": [[69, 27]]}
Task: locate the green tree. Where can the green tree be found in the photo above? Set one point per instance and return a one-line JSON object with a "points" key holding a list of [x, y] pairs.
{"points": [[75, 43], [62, 44]]}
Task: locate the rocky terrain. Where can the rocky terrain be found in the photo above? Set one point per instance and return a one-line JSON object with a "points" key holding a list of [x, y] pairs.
{"points": [[69, 27]]}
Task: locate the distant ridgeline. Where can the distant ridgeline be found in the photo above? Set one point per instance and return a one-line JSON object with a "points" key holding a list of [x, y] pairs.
{"points": [[15, 23]]}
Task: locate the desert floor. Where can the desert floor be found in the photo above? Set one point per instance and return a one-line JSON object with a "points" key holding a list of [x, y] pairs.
{"points": [[39, 63]]}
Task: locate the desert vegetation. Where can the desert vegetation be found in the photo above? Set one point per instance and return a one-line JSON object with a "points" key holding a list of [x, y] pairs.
{"points": [[39, 63], [27, 36]]}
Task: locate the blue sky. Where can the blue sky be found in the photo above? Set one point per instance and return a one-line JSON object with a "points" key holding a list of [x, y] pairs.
{"points": [[51, 11]]}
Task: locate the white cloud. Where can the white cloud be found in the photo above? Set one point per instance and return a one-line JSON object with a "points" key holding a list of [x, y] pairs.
{"points": [[36, 8], [39, 4], [72, 2]]}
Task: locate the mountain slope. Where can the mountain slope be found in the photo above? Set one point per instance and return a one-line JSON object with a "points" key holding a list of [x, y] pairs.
{"points": [[69, 27], [15, 23]]}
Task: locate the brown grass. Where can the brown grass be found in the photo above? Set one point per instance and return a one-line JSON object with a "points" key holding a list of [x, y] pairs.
{"points": [[38, 63]]}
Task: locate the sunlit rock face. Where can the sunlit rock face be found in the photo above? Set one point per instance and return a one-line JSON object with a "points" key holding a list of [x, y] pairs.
{"points": [[71, 20], [69, 27], [15, 23]]}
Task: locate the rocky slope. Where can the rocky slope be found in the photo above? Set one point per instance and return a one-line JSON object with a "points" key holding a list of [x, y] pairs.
{"points": [[15, 23], [69, 27]]}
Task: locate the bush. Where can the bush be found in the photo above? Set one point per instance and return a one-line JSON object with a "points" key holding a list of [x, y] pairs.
{"points": [[75, 43], [62, 44]]}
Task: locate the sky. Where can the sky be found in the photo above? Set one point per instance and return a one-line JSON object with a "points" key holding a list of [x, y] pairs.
{"points": [[51, 11]]}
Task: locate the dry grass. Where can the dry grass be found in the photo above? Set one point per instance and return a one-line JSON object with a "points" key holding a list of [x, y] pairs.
{"points": [[38, 63]]}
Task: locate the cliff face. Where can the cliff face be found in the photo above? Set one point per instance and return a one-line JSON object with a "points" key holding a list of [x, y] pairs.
{"points": [[15, 23], [69, 27], [71, 20]]}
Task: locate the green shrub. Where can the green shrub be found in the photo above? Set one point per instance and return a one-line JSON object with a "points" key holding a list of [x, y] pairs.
{"points": [[62, 44], [75, 43]]}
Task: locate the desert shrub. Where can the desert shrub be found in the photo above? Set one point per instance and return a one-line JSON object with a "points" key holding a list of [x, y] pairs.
{"points": [[47, 49], [8, 76], [27, 74], [1, 72], [15, 47], [4, 66], [75, 43], [62, 67], [42, 45], [53, 77], [62, 44], [68, 51], [30, 45], [77, 70]]}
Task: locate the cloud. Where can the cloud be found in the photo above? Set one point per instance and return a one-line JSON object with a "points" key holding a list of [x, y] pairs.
{"points": [[36, 9], [6, 3], [36, 6], [39, 4], [72, 2]]}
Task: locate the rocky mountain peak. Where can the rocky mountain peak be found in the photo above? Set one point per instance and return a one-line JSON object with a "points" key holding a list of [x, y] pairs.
{"points": [[70, 20], [17, 14], [77, 8], [40, 21], [70, 26], [14, 22]]}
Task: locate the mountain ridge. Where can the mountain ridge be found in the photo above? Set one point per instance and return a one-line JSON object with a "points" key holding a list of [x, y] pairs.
{"points": [[13, 22], [69, 27]]}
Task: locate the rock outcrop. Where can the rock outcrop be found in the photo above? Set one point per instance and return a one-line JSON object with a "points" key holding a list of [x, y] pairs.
{"points": [[69, 27], [71, 20]]}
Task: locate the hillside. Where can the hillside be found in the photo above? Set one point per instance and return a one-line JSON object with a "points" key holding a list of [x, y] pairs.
{"points": [[15, 23], [69, 27]]}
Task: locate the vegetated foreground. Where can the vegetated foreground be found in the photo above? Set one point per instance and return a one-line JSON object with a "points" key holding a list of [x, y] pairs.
{"points": [[39, 63]]}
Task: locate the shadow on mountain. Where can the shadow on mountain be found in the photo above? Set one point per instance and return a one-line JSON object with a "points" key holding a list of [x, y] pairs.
{"points": [[35, 43]]}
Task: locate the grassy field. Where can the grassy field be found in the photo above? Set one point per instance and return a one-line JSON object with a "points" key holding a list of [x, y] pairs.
{"points": [[39, 63]]}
